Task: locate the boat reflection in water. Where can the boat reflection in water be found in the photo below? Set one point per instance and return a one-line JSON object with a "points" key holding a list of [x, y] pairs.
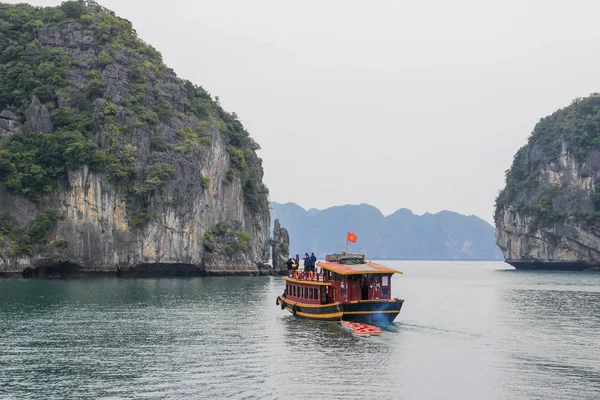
{"points": [[347, 288]]}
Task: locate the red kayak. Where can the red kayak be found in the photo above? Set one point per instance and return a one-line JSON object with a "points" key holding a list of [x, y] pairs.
{"points": [[362, 329]]}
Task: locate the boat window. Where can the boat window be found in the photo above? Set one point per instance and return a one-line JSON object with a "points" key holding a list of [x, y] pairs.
{"points": [[317, 294], [385, 291]]}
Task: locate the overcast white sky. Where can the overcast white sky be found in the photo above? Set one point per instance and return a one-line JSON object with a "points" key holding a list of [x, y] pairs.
{"points": [[415, 104]]}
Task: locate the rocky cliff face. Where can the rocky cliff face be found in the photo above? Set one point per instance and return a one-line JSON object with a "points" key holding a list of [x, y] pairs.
{"points": [[281, 248], [109, 163], [9, 124], [548, 215]]}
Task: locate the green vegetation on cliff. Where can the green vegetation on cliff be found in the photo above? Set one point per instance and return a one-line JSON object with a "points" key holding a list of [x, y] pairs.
{"points": [[92, 120], [553, 177], [23, 241], [226, 241]]}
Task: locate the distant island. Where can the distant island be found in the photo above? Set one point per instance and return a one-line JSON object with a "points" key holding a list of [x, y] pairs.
{"points": [[401, 236]]}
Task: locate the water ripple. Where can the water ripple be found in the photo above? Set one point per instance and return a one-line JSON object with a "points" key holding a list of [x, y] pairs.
{"points": [[466, 331]]}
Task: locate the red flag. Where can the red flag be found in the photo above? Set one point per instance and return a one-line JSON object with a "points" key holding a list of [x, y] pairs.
{"points": [[351, 237]]}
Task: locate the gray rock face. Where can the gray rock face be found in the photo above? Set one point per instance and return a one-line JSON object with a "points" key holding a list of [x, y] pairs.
{"points": [[95, 223], [568, 243], [9, 124], [95, 232], [38, 116], [564, 246], [8, 115], [281, 248]]}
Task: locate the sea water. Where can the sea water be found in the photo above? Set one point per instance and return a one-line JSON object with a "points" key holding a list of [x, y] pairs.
{"points": [[467, 330]]}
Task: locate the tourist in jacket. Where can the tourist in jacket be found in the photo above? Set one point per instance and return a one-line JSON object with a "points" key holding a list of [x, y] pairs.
{"points": [[306, 262]]}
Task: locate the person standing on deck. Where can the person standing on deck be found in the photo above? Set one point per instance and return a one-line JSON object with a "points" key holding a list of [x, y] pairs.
{"points": [[313, 261], [306, 262], [289, 263], [297, 261]]}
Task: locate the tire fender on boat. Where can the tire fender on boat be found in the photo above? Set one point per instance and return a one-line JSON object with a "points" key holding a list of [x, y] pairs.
{"points": [[282, 304], [277, 301], [294, 309]]}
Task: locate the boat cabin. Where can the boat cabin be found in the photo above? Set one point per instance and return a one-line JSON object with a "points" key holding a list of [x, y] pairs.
{"points": [[342, 278]]}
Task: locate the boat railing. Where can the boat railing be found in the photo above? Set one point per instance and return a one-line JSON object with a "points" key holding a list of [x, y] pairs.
{"points": [[305, 276]]}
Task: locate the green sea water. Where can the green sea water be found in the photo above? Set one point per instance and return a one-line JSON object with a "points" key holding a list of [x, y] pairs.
{"points": [[467, 330]]}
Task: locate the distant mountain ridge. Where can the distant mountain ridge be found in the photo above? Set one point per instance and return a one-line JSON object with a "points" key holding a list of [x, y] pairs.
{"points": [[402, 235]]}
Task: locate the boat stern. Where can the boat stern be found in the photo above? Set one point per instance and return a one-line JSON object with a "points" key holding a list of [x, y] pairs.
{"points": [[372, 311]]}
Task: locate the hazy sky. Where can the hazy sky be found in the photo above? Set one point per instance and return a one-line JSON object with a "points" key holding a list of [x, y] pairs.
{"points": [[415, 104]]}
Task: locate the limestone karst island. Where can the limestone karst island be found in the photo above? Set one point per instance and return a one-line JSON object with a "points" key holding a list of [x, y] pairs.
{"points": [[110, 163], [548, 215]]}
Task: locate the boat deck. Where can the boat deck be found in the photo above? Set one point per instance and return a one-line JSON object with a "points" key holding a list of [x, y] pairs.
{"points": [[300, 275]]}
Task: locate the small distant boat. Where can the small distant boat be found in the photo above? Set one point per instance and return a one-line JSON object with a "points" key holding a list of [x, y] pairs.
{"points": [[346, 289], [362, 329]]}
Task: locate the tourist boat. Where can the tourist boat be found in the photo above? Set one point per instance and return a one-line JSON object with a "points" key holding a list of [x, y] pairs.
{"points": [[347, 288]]}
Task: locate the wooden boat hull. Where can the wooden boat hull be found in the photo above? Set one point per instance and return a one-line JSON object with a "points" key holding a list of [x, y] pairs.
{"points": [[367, 311], [372, 311], [323, 312]]}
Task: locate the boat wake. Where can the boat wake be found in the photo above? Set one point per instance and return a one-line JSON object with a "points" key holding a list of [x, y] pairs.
{"points": [[404, 326]]}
